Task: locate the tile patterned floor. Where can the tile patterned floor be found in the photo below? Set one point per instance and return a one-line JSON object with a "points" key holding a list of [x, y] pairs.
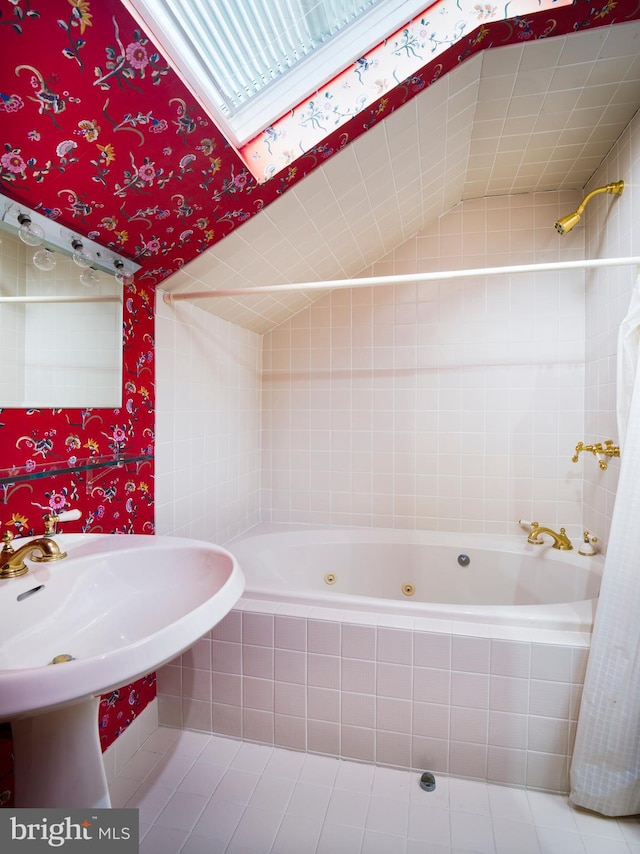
{"points": [[202, 794]]}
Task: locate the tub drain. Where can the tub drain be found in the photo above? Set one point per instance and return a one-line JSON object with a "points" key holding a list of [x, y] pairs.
{"points": [[408, 589], [330, 578], [60, 659]]}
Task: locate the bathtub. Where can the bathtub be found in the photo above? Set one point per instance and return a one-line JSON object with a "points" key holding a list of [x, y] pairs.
{"points": [[464, 654], [480, 578]]}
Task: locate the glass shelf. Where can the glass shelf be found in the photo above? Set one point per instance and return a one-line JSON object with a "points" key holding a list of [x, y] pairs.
{"points": [[20, 474]]}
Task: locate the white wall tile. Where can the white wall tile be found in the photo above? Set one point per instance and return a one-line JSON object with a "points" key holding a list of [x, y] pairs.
{"points": [[467, 339]]}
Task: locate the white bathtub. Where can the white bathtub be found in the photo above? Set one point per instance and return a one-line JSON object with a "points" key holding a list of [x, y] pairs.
{"points": [[506, 581]]}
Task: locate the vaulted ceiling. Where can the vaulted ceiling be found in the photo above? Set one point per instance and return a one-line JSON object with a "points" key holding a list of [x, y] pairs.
{"points": [[101, 135]]}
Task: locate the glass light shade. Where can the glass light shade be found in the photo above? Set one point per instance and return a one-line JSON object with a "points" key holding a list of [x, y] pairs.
{"points": [[123, 276], [89, 277], [44, 260], [82, 258], [30, 233]]}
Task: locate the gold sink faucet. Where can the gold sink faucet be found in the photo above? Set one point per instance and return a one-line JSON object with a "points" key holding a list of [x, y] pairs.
{"points": [[560, 540], [12, 560]]}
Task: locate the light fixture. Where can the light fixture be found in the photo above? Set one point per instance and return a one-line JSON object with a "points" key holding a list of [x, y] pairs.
{"points": [[89, 277], [568, 222], [123, 275], [44, 259], [29, 232], [48, 232], [81, 257]]}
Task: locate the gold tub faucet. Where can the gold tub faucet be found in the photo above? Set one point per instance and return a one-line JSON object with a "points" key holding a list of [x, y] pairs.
{"points": [[560, 540], [598, 450]]}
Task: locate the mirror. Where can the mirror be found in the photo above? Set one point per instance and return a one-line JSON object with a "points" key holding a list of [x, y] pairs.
{"points": [[57, 354]]}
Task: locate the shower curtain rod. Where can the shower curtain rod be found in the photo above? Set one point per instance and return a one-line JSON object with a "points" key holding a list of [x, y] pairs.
{"points": [[89, 298], [407, 277]]}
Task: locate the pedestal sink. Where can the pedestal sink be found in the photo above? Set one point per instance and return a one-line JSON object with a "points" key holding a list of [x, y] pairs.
{"points": [[117, 607]]}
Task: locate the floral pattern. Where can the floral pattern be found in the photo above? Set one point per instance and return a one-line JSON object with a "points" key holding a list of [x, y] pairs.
{"points": [[114, 499], [100, 130], [99, 133]]}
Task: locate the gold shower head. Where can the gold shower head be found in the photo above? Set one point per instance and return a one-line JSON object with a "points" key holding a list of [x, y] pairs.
{"points": [[568, 222]]}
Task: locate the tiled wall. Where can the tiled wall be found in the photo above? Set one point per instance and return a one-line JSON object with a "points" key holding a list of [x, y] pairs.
{"points": [[498, 704], [611, 226], [207, 425], [448, 406], [453, 406]]}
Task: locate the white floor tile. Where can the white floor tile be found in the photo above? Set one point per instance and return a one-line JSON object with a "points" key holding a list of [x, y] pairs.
{"points": [[472, 832], [508, 803], [211, 795], [150, 799], [469, 796], [550, 810], [630, 828], [394, 784], [236, 786], [515, 836], [556, 840], [415, 847], [220, 751], [163, 840], [339, 839], [355, 777], [284, 763], [121, 790], [272, 793], [388, 816], [161, 739], [203, 845], [429, 825], [251, 757], [297, 835], [219, 820], [182, 811], [257, 828], [309, 800], [202, 778], [591, 824], [321, 770], [601, 845], [349, 808], [140, 765], [382, 843]]}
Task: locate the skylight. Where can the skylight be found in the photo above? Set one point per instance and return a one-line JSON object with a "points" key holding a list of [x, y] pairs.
{"points": [[251, 61]]}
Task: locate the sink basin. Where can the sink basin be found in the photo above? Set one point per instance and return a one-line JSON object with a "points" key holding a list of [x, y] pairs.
{"points": [[120, 606]]}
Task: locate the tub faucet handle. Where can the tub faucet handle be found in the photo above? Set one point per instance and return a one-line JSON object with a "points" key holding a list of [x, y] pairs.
{"points": [[588, 546]]}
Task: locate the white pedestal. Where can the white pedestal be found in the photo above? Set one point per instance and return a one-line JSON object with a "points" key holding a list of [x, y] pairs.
{"points": [[58, 760]]}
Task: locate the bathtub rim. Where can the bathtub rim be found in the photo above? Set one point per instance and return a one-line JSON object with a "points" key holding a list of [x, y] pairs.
{"points": [[574, 617]]}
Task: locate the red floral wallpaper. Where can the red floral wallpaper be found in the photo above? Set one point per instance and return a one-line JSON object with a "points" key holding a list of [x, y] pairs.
{"points": [[98, 133], [114, 499]]}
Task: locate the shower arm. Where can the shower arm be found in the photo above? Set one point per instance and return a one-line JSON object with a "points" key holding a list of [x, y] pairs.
{"points": [[564, 225], [616, 188]]}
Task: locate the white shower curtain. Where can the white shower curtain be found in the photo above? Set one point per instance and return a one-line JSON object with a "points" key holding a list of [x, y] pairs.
{"points": [[605, 772]]}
